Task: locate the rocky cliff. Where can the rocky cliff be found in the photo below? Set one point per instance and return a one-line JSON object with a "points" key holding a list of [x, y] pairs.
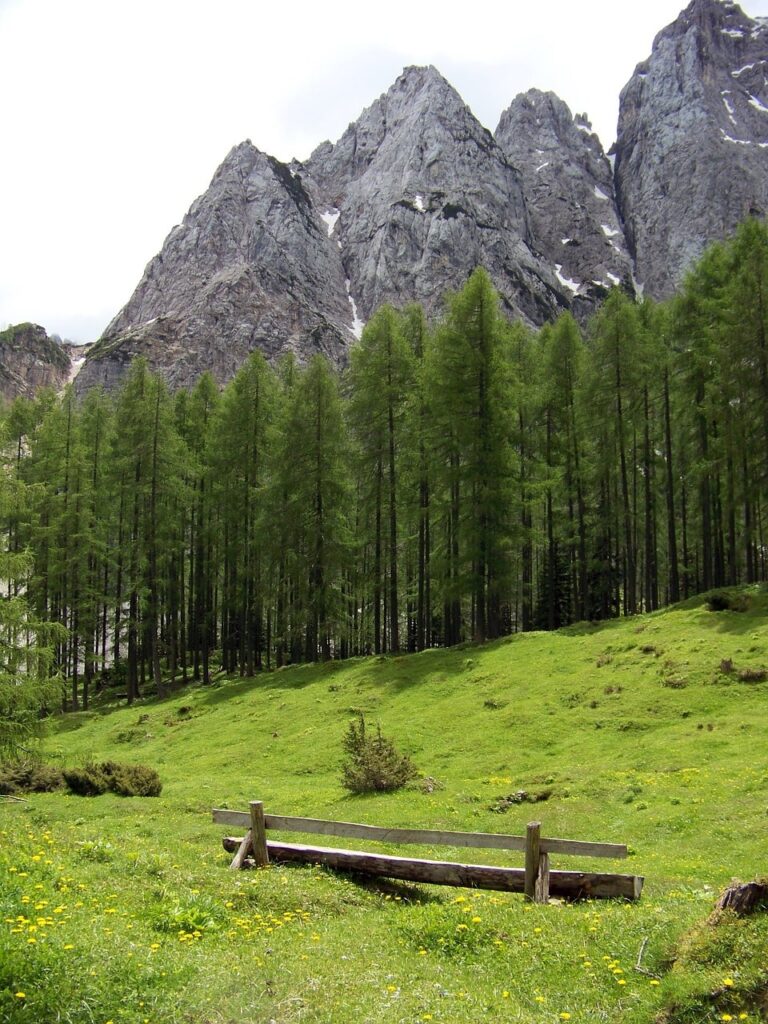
{"points": [[30, 360], [567, 182], [692, 149], [422, 194], [280, 258], [416, 193], [251, 267]]}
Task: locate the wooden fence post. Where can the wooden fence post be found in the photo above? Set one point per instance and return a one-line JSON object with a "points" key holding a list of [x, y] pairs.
{"points": [[259, 833], [532, 857], [542, 882]]}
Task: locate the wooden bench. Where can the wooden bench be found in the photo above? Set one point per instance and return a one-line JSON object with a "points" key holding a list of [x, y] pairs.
{"points": [[536, 879]]}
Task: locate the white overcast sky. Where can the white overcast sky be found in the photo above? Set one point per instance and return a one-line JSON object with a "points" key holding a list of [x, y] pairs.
{"points": [[116, 113]]}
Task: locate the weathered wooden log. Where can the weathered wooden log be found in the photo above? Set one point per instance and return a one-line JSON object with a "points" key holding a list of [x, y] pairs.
{"points": [[569, 885], [744, 898]]}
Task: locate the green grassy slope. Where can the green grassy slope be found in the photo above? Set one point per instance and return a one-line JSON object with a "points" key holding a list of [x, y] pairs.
{"points": [[637, 730]]}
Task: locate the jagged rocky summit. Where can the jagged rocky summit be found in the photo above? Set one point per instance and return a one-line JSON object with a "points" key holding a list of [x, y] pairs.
{"points": [[416, 193], [692, 148], [568, 185], [30, 360], [294, 258]]}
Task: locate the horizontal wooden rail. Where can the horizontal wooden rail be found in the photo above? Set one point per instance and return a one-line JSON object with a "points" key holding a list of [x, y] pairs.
{"points": [[423, 837], [563, 884]]}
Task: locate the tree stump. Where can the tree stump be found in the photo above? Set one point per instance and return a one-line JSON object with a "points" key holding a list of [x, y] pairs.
{"points": [[744, 898]]}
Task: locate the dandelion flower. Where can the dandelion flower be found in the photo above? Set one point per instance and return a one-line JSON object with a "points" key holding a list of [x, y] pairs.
{"points": [[728, 982], [21, 995]]}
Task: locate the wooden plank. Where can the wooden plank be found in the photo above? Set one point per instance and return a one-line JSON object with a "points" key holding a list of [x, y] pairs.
{"points": [[227, 817], [242, 852], [532, 854], [580, 848], [424, 837], [258, 831], [563, 884]]}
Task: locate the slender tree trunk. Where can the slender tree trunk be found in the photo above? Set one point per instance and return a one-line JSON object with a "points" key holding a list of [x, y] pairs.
{"points": [[673, 568]]}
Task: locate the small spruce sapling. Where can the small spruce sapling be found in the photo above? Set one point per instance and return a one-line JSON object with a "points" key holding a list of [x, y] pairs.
{"points": [[373, 764]]}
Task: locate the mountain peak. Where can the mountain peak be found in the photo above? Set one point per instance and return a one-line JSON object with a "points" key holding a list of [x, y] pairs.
{"points": [[417, 92], [693, 128], [711, 14], [422, 72], [568, 186], [422, 76]]}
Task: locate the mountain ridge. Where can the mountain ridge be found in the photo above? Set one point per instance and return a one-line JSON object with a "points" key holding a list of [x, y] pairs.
{"points": [[294, 257]]}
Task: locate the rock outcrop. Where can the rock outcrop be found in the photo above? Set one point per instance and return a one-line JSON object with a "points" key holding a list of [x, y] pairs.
{"points": [[422, 195], [30, 360], [692, 149], [251, 267], [567, 182]]}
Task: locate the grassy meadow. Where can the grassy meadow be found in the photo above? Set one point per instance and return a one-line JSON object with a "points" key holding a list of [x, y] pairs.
{"points": [[648, 731]]}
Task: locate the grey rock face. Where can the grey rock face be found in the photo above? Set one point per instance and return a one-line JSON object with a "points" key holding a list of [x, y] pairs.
{"points": [[692, 149], [567, 181], [251, 267], [30, 360], [424, 195], [412, 198], [416, 194]]}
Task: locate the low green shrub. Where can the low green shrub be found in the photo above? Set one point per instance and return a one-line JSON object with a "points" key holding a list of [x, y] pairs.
{"points": [[136, 780], [124, 779], [86, 781], [29, 777]]}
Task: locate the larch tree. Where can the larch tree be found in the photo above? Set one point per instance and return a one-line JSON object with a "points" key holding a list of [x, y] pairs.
{"points": [[381, 376], [469, 396]]}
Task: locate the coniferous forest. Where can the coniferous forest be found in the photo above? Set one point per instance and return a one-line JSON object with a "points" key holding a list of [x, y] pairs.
{"points": [[458, 481]]}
